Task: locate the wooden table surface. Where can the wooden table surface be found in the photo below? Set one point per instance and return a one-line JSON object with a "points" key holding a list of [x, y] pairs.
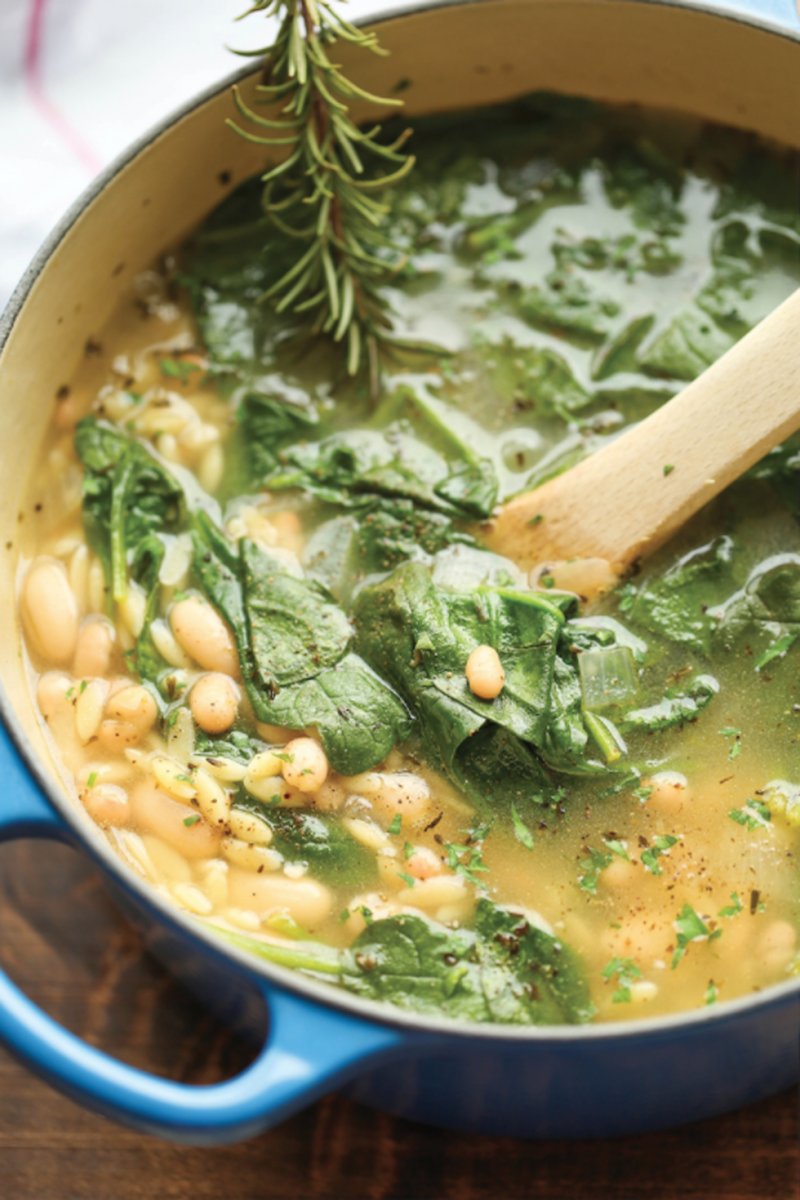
{"points": [[62, 940]]}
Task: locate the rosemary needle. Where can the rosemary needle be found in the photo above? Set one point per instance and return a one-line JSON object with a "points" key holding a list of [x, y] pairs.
{"points": [[324, 190]]}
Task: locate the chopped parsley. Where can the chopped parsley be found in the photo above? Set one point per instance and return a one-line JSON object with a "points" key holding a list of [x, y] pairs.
{"points": [[466, 858], [178, 368], [691, 927], [734, 908], [626, 972], [521, 831], [754, 814], [396, 824], [189, 821], [661, 845], [711, 993], [596, 861], [735, 736], [92, 780]]}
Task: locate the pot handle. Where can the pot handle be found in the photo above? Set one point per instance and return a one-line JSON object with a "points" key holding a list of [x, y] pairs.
{"points": [[309, 1049], [783, 14]]}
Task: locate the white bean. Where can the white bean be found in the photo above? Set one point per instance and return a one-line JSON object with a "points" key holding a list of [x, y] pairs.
{"points": [[157, 813], [94, 648], [484, 671], [422, 863], [306, 900], [305, 766], [50, 611], [107, 804], [51, 693], [393, 792], [669, 792], [135, 705], [214, 701], [205, 637]]}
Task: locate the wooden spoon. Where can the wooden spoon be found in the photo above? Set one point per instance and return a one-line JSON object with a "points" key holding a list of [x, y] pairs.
{"points": [[630, 497]]}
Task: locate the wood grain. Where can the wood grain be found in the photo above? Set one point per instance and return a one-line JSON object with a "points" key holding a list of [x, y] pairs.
{"points": [[62, 941], [631, 496]]}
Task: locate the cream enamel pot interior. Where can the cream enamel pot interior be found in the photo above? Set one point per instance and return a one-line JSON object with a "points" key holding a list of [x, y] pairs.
{"points": [[590, 1081]]}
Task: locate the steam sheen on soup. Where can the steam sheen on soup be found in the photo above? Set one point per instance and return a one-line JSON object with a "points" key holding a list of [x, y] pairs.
{"points": [[285, 676]]}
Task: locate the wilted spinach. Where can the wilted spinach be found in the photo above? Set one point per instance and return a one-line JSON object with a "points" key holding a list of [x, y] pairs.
{"points": [[293, 644]]}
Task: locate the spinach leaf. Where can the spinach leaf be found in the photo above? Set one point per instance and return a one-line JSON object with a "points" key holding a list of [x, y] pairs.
{"points": [[127, 496], [674, 709], [393, 459], [146, 659], [293, 648], [267, 423], [768, 606], [419, 636], [504, 970], [375, 538], [333, 855], [677, 604]]}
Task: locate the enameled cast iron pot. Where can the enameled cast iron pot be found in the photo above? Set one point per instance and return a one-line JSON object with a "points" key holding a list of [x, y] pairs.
{"points": [[738, 67]]}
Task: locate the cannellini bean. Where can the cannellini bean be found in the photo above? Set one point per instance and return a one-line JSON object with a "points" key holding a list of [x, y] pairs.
{"points": [[436, 892], [89, 708], [94, 648], [777, 944], [214, 701], [51, 693], [422, 863], [618, 874], [249, 827], [670, 792], [203, 634], [107, 804], [308, 901], [289, 530], [50, 611], [484, 671], [305, 766], [392, 793], [330, 797], [156, 812], [135, 705], [116, 736], [250, 857], [275, 734]]}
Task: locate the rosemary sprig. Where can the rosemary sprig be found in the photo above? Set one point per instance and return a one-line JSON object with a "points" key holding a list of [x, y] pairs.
{"points": [[323, 193]]}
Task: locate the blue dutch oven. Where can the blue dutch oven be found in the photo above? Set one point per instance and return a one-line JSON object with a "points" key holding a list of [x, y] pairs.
{"points": [[737, 63]]}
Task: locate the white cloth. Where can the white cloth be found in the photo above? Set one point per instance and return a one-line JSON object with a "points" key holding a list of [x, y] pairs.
{"points": [[80, 79]]}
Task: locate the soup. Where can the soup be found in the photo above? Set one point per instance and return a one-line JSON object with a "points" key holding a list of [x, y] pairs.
{"points": [[286, 675]]}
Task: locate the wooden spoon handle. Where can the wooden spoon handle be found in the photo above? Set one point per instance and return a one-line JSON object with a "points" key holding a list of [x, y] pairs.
{"points": [[631, 496]]}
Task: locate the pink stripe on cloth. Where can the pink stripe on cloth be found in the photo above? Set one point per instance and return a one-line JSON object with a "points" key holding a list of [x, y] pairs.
{"points": [[49, 111]]}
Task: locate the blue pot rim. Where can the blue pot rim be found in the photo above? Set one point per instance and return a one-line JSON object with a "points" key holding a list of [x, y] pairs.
{"points": [[286, 979]]}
